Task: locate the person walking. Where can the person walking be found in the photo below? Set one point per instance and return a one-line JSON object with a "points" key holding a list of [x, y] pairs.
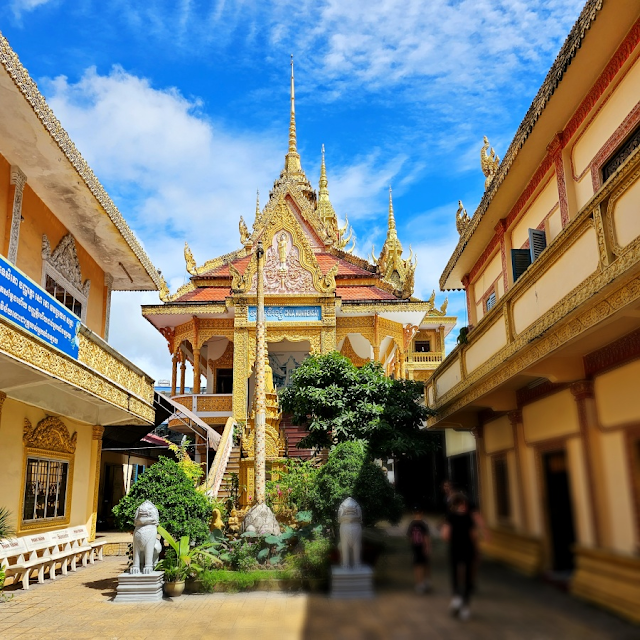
{"points": [[460, 532], [420, 540]]}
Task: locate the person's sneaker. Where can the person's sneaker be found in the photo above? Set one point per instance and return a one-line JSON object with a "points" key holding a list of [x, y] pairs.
{"points": [[465, 614], [454, 605]]}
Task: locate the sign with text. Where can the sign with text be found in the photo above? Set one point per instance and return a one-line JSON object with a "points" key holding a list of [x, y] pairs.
{"points": [[287, 314], [30, 307]]}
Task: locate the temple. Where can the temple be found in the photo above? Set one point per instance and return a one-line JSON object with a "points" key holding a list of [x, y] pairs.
{"points": [[319, 298]]}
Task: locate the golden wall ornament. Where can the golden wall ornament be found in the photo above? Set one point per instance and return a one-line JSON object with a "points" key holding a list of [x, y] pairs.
{"points": [[244, 232], [64, 259], [348, 351], [50, 434]]}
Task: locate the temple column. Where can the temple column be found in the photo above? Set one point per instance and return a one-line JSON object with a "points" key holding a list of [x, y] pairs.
{"points": [[174, 373], [196, 371], [96, 457], [183, 367], [260, 393], [18, 180], [403, 365]]}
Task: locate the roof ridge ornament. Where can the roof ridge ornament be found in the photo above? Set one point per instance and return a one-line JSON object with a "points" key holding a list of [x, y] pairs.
{"points": [[489, 163], [325, 209], [189, 260], [462, 219]]}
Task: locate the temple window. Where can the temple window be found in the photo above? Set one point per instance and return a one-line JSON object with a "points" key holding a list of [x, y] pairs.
{"points": [[621, 154], [491, 301], [45, 494], [423, 346], [58, 292], [48, 472], [224, 380], [521, 259], [501, 483]]}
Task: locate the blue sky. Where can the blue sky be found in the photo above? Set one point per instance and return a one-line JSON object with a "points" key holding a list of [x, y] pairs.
{"points": [[181, 108]]}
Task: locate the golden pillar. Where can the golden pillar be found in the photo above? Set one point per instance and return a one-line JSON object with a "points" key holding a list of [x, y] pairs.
{"points": [[260, 392], [96, 457], [174, 373], [3, 397], [403, 365], [183, 367], [196, 371]]}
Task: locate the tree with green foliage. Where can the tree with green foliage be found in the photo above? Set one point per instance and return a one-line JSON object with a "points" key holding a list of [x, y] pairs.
{"points": [[350, 472], [337, 402], [183, 510]]}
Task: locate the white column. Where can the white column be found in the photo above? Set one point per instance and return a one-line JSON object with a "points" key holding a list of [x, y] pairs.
{"points": [[261, 399]]}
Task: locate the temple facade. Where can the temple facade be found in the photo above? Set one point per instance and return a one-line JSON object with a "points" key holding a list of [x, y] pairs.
{"points": [[546, 377], [319, 298]]}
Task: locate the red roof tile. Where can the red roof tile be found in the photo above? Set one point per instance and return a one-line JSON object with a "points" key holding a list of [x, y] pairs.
{"points": [[363, 293], [223, 270], [205, 294], [326, 261]]}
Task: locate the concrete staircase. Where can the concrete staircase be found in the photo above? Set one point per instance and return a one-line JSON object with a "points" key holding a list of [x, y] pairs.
{"points": [[233, 466]]}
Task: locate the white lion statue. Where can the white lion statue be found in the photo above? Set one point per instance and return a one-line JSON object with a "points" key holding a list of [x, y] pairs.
{"points": [[146, 546], [350, 519]]}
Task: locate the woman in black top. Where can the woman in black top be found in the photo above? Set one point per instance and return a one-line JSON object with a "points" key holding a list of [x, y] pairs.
{"points": [[460, 531]]}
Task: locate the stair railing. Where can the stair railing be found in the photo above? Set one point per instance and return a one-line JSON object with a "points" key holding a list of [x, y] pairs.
{"points": [[219, 466]]}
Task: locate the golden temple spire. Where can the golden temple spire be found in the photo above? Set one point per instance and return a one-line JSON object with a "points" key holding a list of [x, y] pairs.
{"points": [[323, 176], [392, 219], [292, 159], [325, 208]]}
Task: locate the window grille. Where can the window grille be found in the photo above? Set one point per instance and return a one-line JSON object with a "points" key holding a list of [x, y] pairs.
{"points": [[621, 154], [58, 292], [491, 301], [45, 492]]}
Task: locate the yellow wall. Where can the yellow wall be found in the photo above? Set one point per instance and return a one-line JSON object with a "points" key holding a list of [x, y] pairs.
{"points": [[457, 442], [39, 220], [621, 101], [13, 462], [573, 267], [489, 343], [498, 435], [551, 417], [625, 216], [484, 280], [449, 377], [543, 203], [617, 395]]}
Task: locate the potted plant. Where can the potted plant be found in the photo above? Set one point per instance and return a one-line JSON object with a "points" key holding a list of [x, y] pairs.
{"points": [[179, 562]]}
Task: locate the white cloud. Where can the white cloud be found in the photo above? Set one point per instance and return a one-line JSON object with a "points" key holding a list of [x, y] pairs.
{"points": [[176, 175], [24, 6]]}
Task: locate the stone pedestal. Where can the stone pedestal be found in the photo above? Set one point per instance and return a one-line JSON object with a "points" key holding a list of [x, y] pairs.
{"points": [[140, 587], [352, 582]]}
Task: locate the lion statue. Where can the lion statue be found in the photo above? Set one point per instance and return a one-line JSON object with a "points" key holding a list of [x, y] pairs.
{"points": [[146, 547], [350, 519]]}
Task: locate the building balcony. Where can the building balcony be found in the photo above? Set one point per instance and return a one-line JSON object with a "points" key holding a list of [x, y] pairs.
{"points": [[540, 329], [433, 358], [212, 408], [98, 386]]}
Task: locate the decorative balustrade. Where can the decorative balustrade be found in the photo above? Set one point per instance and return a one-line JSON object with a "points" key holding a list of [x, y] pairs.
{"points": [[206, 402], [429, 357]]}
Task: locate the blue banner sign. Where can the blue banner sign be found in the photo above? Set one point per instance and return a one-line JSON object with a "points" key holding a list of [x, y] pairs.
{"points": [[287, 314], [30, 307]]}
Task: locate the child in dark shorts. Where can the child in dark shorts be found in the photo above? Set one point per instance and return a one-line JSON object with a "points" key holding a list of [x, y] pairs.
{"points": [[420, 540]]}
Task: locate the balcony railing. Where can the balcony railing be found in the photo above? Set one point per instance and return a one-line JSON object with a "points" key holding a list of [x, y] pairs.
{"points": [[429, 357], [206, 402]]}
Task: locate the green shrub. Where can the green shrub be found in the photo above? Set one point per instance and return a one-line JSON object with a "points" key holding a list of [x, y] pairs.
{"points": [[292, 489], [239, 580], [313, 560], [183, 510], [349, 472]]}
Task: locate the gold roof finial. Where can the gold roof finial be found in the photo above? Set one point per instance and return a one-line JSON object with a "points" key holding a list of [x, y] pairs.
{"points": [[292, 159], [392, 219], [257, 203], [324, 183], [325, 208]]}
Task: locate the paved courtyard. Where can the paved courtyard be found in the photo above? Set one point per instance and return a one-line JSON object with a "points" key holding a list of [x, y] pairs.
{"points": [[507, 606]]}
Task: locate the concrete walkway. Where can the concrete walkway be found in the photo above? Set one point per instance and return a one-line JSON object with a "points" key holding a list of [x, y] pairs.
{"points": [[507, 606]]}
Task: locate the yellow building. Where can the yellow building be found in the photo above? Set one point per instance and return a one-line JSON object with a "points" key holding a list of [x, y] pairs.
{"points": [[64, 247], [548, 377], [319, 297]]}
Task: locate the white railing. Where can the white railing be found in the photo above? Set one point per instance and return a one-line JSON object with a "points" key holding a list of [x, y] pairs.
{"points": [[219, 466], [418, 357]]}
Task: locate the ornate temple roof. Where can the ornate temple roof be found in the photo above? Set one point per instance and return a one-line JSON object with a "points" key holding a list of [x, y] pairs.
{"points": [[304, 251]]}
